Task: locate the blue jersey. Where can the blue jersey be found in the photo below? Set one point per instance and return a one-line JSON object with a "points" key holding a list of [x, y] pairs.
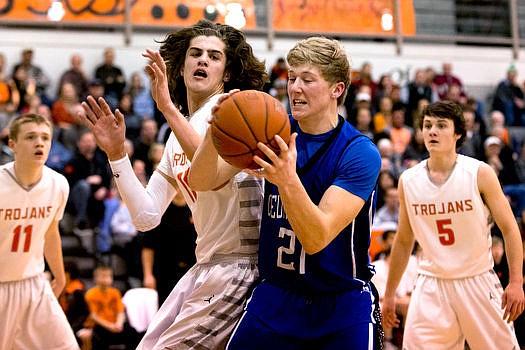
{"points": [[342, 157]]}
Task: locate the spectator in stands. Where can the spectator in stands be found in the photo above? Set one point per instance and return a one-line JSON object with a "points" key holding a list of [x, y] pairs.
{"points": [[364, 122], [500, 260], [509, 99], [383, 117], [148, 136], [9, 94], [279, 90], [26, 87], [59, 155], [498, 156], [64, 112], [143, 103], [76, 76], [111, 77], [416, 151], [168, 250], [34, 75], [279, 70], [133, 120], [389, 211], [400, 133], [89, 177], [385, 86], [416, 90], [444, 80], [107, 324], [72, 298], [155, 153], [473, 145]]}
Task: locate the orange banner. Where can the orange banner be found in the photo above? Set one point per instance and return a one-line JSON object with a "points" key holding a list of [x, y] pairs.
{"points": [[356, 16], [353, 17]]}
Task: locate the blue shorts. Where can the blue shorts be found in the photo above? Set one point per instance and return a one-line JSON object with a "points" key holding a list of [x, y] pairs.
{"points": [[277, 318]]}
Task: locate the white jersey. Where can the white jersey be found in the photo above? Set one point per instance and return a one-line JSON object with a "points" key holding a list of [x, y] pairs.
{"points": [[450, 221], [25, 216], [227, 220]]}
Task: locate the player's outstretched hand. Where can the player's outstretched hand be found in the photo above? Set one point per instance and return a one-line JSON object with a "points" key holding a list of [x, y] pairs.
{"points": [[512, 301], [388, 310], [109, 129], [156, 70]]}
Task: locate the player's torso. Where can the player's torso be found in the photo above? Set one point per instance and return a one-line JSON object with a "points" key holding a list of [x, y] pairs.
{"points": [[227, 221], [450, 221], [343, 264], [25, 216]]}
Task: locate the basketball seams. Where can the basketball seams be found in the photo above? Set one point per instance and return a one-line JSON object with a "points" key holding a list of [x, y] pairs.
{"points": [[245, 122], [244, 118]]}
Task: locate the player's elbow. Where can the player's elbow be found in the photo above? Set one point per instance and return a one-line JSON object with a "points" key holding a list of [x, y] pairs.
{"points": [[146, 221]]}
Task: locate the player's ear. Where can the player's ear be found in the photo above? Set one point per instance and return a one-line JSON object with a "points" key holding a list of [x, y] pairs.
{"points": [[226, 77], [338, 89]]}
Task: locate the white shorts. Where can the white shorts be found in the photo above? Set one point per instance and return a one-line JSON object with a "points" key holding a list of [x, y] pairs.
{"points": [[31, 317], [204, 307], [445, 312]]}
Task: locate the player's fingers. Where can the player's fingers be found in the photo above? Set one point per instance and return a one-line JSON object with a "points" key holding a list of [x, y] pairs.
{"points": [[94, 106], [89, 113], [268, 152], [104, 106], [119, 116], [283, 146]]}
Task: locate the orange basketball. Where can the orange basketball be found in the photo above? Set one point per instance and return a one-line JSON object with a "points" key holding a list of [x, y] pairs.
{"points": [[244, 119]]}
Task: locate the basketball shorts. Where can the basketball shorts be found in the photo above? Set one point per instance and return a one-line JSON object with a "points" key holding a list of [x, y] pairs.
{"points": [[276, 318], [31, 317], [443, 313], [204, 307]]}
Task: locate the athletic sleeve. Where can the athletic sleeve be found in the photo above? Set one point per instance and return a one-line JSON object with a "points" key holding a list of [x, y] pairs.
{"points": [[146, 205], [359, 168]]}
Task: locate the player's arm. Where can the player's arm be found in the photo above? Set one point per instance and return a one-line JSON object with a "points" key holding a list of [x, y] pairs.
{"points": [[399, 256], [208, 170], [513, 299], [314, 225], [188, 138], [53, 256]]}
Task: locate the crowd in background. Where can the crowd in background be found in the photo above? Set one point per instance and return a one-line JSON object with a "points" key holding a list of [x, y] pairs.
{"points": [[383, 110]]}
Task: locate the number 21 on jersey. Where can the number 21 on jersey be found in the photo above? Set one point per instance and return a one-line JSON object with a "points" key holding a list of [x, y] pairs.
{"points": [[286, 254]]}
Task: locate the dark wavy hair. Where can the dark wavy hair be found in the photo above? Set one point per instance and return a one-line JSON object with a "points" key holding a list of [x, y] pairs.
{"points": [[245, 70], [447, 110]]}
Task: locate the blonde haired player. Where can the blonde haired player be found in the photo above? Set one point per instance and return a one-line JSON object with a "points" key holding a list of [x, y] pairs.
{"points": [[447, 205], [32, 201]]}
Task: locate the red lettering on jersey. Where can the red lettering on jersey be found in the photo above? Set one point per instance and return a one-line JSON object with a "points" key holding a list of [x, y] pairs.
{"points": [[424, 210], [180, 159], [468, 205]]}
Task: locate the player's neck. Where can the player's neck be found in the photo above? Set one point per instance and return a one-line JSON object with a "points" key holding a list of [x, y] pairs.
{"points": [[442, 162], [27, 175]]}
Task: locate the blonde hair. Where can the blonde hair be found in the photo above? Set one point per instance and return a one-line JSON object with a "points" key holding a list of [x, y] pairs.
{"points": [[325, 54], [17, 122]]}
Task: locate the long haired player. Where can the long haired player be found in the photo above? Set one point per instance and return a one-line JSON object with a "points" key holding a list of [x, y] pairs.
{"points": [[198, 63]]}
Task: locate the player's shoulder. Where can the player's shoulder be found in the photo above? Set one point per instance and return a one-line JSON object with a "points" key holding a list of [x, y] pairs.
{"points": [[54, 176], [414, 172]]}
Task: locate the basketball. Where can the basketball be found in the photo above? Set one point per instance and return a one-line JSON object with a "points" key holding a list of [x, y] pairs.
{"points": [[244, 119]]}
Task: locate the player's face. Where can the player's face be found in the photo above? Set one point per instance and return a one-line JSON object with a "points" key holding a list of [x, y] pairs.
{"points": [[32, 144], [438, 134], [204, 66], [308, 92]]}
